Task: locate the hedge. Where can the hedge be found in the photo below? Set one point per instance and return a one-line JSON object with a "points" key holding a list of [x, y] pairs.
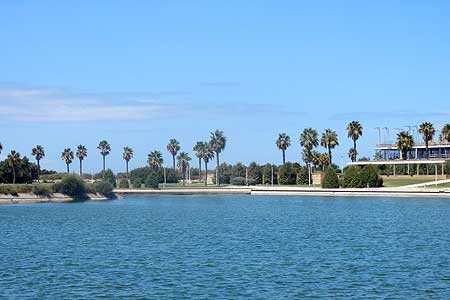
{"points": [[330, 179]]}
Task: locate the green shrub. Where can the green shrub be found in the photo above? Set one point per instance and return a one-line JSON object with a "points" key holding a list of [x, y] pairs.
{"points": [[71, 185], [123, 184], [369, 177], [225, 173], [252, 181], [104, 187], [302, 176], [352, 178], [267, 174], [287, 174], [90, 188], [330, 179], [255, 173], [137, 183], [42, 190], [15, 189], [237, 181], [152, 180], [109, 176]]}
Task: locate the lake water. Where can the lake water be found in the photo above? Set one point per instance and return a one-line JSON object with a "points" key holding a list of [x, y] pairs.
{"points": [[227, 247]]}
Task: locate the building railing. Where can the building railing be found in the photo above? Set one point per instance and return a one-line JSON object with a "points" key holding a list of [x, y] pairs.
{"points": [[422, 144]]}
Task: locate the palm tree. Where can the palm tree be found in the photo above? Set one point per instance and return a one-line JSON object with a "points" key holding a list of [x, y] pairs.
{"points": [[183, 163], [352, 153], [67, 157], [127, 156], [207, 155], [81, 154], [173, 147], [1, 148], [38, 152], [199, 150], [13, 160], [427, 130], [155, 160], [308, 140], [217, 143], [315, 158], [405, 143], [105, 149], [354, 131], [329, 140], [283, 142], [324, 160], [446, 132]]}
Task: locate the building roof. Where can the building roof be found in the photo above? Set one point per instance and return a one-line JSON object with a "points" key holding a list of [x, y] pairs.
{"points": [[399, 162]]}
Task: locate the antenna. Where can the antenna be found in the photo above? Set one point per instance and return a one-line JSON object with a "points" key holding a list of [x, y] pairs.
{"points": [[379, 134]]}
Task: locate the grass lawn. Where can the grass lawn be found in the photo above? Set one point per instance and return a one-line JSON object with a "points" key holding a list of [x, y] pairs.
{"points": [[189, 186], [394, 182], [440, 186]]}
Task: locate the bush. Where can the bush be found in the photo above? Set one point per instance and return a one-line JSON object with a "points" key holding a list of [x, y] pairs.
{"points": [[352, 178], [252, 181], [302, 176], [225, 173], [287, 174], [109, 176], [369, 177], [71, 185], [104, 187], [123, 184], [42, 190], [330, 179], [255, 173], [152, 180], [137, 183], [15, 189], [267, 174], [90, 188], [237, 181]]}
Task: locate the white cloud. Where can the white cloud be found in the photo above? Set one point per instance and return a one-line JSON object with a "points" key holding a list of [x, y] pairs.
{"points": [[25, 104]]}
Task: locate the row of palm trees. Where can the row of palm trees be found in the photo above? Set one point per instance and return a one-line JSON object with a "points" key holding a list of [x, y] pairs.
{"points": [[309, 139], [205, 151], [405, 141]]}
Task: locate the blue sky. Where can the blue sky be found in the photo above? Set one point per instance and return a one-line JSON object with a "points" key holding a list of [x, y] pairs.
{"points": [[138, 73]]}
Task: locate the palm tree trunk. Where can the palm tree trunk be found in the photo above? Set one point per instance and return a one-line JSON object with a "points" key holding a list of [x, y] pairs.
{"points": [[284, 156], [81, 168], [68, 171], [173, 160], [206, 173], [126, 162], [354, 148], [330, 163], [183, 169], [38, 170], [426, 148], [217, 170], [14, 175], [199, 170], [104, 164]]}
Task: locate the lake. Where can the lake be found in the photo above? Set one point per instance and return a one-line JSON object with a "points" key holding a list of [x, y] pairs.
{"points": [[227, 247]]}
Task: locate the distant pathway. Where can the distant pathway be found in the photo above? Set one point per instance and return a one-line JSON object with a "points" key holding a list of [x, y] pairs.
{"points": [[424, 184]]}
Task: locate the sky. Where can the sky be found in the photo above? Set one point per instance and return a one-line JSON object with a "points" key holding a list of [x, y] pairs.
{"points": [[138, 73]]}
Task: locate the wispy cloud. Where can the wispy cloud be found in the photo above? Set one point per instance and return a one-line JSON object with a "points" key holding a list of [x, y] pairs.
{"points": [[404, 115], [223, 84], [46, 105], [30, 104]]}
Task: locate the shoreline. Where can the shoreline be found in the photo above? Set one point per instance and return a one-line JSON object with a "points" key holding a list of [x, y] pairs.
{"points": [[397, 192], [55, 198]]}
